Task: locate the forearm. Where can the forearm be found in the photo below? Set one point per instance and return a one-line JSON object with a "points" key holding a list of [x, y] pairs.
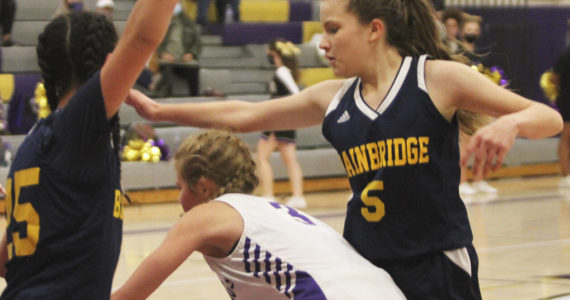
{"points": [[146, 279], [233, 115], [537, 121], [3, 256]]}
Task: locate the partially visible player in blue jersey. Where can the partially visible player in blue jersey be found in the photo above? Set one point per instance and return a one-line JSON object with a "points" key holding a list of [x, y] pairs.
{"points": [[395, 127], [63, 204]]}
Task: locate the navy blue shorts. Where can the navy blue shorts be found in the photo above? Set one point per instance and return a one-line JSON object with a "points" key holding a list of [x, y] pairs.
{"points": [[286, 136], [441, 275]]}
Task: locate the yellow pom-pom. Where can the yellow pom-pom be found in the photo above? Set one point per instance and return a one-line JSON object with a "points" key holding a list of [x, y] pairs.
{"points": [[548, 87], [41, 101]]}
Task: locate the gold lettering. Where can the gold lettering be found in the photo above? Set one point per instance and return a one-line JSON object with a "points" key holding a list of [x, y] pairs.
{"points": [[399, 152], [424, 142], [361, 158], [389, 150], [118, 210], [375, 162], [347, 165], [382, 153], [357, 168], [412, 150]]}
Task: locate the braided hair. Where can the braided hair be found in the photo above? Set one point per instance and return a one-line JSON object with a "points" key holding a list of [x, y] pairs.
{"points": [[70, 50], [219, 156]]}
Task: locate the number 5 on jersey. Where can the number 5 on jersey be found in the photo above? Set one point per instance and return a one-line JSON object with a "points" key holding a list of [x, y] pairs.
{"points": [[374, 210], [25, 239]]}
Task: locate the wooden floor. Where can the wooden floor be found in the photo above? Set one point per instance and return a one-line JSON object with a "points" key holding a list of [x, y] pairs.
{"points": [[522, 235]]}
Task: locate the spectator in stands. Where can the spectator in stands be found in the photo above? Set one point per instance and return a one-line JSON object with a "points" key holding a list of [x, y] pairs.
{"points": [[221, 10], [283, 55], [179, 53], [452, 19], [105, 7], [67, 6], [7, 13], [68, 165], [469, 32], [561, 79]]}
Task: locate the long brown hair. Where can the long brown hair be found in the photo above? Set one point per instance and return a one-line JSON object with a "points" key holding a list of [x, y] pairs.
{"points": [[411, 29]]}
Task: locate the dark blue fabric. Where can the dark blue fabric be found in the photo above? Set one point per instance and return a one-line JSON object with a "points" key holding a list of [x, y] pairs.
{"points": [[524, 41], [78, 202]]}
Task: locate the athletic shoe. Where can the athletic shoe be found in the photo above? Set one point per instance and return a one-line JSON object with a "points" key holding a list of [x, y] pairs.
{"points": [[466, 189], [296, 202], [483, 186], [565, 181]]}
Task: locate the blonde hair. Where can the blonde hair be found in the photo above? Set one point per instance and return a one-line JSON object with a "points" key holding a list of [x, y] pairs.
{"points": [[220, 156]]}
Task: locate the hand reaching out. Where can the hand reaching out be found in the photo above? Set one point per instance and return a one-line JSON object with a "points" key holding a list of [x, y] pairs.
{"points": [[144, 106], [490, 144]]}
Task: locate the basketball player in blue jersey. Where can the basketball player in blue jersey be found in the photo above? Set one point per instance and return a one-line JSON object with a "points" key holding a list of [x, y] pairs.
{"points": [[64, 202], [259, 249], [394, 124]]}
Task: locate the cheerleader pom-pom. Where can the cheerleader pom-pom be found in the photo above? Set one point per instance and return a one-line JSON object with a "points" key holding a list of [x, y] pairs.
{"points": [[548, 87], [137, 150]]}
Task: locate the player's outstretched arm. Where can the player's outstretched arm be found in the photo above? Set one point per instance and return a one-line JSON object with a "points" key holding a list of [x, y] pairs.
{"points": [[460, 87], [145, 29], [212, 228], [304, 109]]}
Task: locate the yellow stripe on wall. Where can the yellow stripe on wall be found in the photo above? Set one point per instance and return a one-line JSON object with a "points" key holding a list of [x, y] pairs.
{"points": [[264, 11], [190, 7], [310, 76], [310, 28], [6, 86]]}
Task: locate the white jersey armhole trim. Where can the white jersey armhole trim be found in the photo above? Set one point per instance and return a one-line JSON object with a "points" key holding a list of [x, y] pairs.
{"points": [[241, 240], [285, 76], [421, 73], [338, 96], [460, 257]]}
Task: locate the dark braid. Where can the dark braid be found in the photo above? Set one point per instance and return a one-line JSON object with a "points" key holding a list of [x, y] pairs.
{"points": [[70, 50]]}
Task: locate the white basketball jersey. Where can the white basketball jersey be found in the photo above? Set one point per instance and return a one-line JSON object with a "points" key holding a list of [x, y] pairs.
{"points": [[286, 254]]}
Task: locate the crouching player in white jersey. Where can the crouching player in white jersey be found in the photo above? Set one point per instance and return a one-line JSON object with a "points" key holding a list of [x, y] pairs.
{"points": [[258, 248]]}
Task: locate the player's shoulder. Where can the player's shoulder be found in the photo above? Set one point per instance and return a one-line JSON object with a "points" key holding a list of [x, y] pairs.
{"points": [[324, 92]]}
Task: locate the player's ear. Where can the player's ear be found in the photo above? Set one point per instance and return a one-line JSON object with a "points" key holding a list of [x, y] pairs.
{"points": [[206, 188]]}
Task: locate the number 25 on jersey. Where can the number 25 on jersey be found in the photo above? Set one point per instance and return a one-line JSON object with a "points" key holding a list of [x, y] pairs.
{"points": [[27, 220]]}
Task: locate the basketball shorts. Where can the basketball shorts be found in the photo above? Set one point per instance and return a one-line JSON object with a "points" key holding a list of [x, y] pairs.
{"points": [[442, 275]]}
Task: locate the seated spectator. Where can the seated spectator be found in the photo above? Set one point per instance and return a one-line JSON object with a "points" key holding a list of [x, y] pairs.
{"points": [[452, 19], [105, 7], [7, 13], [178, 54]]}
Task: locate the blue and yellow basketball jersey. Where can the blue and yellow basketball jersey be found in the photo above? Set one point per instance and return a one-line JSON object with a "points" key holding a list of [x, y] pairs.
{"points": [[63, 206], [402, 161]]}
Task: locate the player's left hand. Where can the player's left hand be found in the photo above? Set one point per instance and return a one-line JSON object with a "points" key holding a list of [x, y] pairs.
{"points": [[490, 144]]}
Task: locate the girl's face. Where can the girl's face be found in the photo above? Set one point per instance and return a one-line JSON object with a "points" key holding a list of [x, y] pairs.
{"points": [[187, 197], [344, 39], [452, 28]]}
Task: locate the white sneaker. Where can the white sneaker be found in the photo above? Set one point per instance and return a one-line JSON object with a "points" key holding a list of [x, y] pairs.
{"points": [[296, 202], [565, 181], [483, 186], [466, 189]]}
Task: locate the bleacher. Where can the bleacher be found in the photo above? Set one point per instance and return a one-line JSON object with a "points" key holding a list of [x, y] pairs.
{"points": [[233, 62]]}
